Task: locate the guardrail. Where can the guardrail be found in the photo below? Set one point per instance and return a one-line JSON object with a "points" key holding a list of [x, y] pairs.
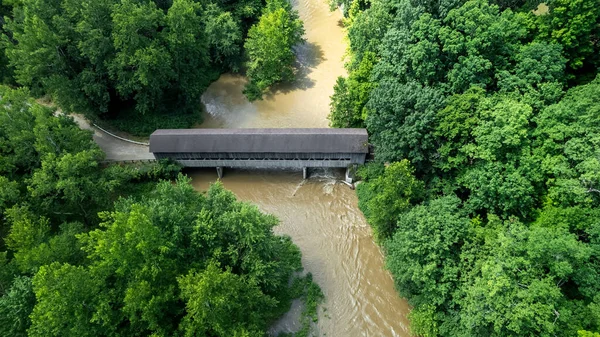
{"points": [[121, 138], [129, 161]]}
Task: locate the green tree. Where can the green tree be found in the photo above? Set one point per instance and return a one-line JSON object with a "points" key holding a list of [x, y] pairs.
{"points": [[72, 185], [6, 10], [488, 142], [142, 64], [127, 60], [351, 95], [516, 290], [455, 123], [424, 253], [367, 28], [15, 308], [29, 131], [384, 198], [66, 300], [157, 262], [567, 140], [62, 247], [478, 40], [19, 155], [472, 93], [224, 37], [269, 48], [538, 74], [575, 25], [412, 51], [220, 303], [401, 121]]}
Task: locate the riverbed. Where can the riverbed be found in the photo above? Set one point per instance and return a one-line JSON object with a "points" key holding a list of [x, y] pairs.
{"points": [[320, 213]]}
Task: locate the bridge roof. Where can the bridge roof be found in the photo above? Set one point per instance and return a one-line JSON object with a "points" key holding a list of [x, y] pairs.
{"points": [[314, 140]]}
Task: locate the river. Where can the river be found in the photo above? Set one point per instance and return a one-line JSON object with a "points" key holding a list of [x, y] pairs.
{"points": [[321, 213]]}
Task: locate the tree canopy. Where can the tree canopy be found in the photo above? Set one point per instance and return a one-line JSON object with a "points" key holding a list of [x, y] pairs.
{"points": [[89, 249], [269, 47], [490, 108], [144, 64]]}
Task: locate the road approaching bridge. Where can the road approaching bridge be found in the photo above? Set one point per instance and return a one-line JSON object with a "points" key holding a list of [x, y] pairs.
{"points": [[262, 148]]}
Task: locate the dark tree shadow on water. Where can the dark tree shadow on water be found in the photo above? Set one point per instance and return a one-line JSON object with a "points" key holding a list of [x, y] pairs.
{"points": [[308, 56]]}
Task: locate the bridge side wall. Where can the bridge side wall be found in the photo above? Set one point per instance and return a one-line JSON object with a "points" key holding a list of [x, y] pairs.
{"points": [[300, 164], [265, 160]]}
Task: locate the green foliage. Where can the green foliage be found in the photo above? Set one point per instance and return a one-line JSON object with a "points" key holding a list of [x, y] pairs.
{"points": [[568, 142], [164, 169], [455, 124], [223, 304], [27, 231], [370, 171], [51, 164], [71, 183], [312, 296], [269, 48], [15, 307], [172, 262], [113, 59], [422, 321], [62, 247], [224, 37], [66, 296], [575, 25], [6, 9], [28, 131], [479, 96], [351, 95], [401, 121], [520, 282], [538, 74], [424, 253], [128, 120], [385, 197], [366, 29]]}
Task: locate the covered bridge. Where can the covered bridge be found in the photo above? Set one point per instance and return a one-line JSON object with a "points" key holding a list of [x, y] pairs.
{"points": [[262, 148]]}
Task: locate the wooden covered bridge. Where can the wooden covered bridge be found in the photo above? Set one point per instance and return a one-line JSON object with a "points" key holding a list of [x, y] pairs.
{"points": [[262, 148]]}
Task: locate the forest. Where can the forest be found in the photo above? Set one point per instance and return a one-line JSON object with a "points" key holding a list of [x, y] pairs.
{"points": [[484, 194], [141, 64], [91, 249], [485, 119]]}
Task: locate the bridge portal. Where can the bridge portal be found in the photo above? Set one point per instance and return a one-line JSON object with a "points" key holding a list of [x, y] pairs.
{"points": [[262, 148]]}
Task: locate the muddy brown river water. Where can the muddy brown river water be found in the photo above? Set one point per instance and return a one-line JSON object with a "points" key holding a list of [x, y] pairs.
{"points": [[321, 213]]}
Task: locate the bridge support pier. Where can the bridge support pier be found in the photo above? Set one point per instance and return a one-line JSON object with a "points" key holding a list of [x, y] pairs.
{"points": [[305, 173], [220, 172], [350, 173]]}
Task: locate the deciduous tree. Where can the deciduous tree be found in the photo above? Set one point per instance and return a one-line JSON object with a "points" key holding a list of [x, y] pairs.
{"points": [[269, 47]]}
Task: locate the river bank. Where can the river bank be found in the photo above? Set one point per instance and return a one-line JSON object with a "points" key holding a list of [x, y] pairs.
{"points": [[320, 214]]}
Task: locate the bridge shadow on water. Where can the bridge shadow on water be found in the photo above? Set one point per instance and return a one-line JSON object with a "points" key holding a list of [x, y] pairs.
{"points": [[259, 174], [308, 56]]}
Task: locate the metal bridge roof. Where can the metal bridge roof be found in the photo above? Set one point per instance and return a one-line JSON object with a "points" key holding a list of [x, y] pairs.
{"points": [[313, 140]]}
